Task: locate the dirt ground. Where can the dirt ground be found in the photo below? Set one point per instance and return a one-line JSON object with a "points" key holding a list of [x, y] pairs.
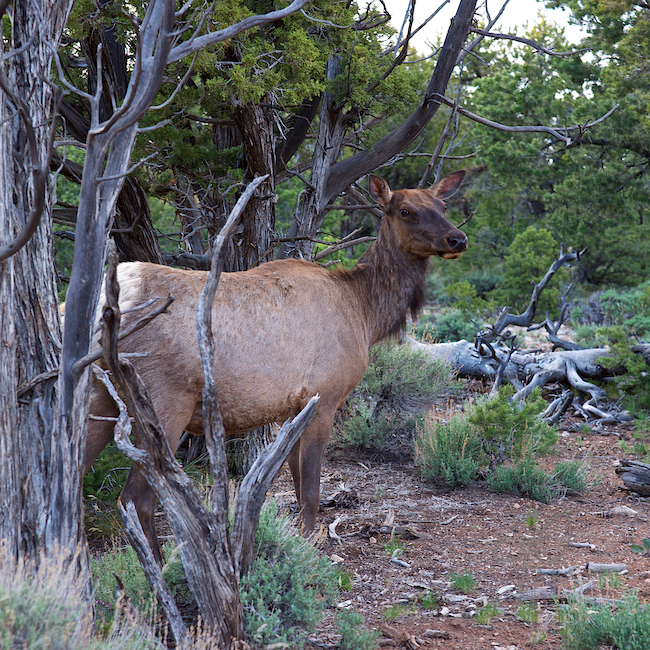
{"points": [[502, 541]]}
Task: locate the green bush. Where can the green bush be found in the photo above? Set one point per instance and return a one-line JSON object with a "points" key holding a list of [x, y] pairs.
{"points": [[492, 431], [569, 477], [44, 607], [525, 478], [448, 452], [283, 595], [399, 384], [288, 586], [353, 637], [451, 325], [529, 258], [108, 474], [587, 626], [364, 429], [512, 429]]}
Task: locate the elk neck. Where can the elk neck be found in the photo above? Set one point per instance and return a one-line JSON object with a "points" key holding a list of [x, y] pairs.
{"points": [[388, 283]]}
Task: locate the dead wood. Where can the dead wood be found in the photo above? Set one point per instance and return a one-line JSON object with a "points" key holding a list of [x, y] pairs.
{"points": [[495, 354], [635, 476], [571, 570], [540, 593], [152, 571], [595, 567]]}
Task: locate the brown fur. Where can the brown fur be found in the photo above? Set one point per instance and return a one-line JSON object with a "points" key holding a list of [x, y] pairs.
{"points": [[284, 331]]}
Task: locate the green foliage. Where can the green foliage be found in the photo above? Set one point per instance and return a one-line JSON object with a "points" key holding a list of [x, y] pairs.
{"points": [[463, 582], [394, 611], [512, 429], [526, 260], [344, 578], [569, 477], [430, 601], [587, 626], [490, 432], [353, 637], [283, 595], [528, 613], [643, 548], [44, 607], [363, 429], [286, 590], [450, 325], [387, 403], [108, 474], [489, 611], [123, 563], [395, 547], [619, 319], [448, 452], [525, 478]]}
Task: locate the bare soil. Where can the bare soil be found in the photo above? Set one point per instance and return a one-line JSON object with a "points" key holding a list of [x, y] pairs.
{"points": [[502, 541]]}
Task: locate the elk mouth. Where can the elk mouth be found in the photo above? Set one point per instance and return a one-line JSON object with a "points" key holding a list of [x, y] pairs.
{"points": [[449, 256]]}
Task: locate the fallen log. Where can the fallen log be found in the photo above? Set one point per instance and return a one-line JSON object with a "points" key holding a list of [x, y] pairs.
{"points": [[635, 476]]}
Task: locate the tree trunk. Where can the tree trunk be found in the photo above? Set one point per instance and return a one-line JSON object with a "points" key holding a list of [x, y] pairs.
{"points": [[253, 244], [31, 477]]}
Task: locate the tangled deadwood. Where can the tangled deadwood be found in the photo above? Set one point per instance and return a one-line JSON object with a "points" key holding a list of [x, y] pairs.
{"points": [[494, 354]]}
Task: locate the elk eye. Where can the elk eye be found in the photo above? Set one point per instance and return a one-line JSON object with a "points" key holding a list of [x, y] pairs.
{"points": [[405, 213]]}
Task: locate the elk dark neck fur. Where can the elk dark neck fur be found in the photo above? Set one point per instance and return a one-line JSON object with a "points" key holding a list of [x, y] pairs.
{"points": [[388, 283]]}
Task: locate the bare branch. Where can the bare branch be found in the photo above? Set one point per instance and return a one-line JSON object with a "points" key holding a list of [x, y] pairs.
{"points": [[528, 41], [526, 318], [212, 423], [138, 325], [557, 134]]}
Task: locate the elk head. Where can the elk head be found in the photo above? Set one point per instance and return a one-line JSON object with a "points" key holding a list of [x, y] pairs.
{"points": [[418, 217]]}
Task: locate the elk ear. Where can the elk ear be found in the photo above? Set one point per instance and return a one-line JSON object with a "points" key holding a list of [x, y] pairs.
{"points": [[448, 185], [379, 190]]}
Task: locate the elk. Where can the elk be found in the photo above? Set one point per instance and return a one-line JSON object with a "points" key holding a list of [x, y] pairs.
{"points": [[283, 332]]}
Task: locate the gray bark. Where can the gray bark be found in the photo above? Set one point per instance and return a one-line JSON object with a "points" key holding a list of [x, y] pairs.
{"points": [[32, 480]]}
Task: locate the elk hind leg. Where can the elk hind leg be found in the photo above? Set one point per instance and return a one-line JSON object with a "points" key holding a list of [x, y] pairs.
{"points": [[136, 489]]}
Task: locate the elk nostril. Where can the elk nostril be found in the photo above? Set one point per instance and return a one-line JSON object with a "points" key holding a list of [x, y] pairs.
{"points": [[457, 243]]}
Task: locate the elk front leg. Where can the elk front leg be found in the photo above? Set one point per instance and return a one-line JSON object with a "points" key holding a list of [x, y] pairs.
{"points": [[305, 462]]}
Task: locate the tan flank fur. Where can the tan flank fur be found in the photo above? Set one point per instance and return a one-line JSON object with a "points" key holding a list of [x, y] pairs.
{"points": [[284, 331]]}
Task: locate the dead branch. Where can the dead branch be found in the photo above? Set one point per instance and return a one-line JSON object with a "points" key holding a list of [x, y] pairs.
{"points": [[526, 318], [527, 41], [154, 575], [563, 135]]}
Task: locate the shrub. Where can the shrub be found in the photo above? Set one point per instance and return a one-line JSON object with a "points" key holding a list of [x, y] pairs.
{"points": [[108, 474], [283, 595], [451, 325], [45, 607], [569, 477], [123, 563], [448, 452], [348, 625], [288, 586], [525, 478], [364, 429], [591, 626], [512, 429], [398, 385], [529, 257]]}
